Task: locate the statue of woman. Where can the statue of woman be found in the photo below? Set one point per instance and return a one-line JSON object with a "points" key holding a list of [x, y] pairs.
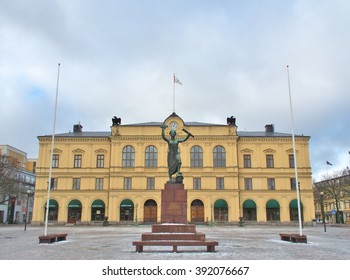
{"points": [[174, 159]]}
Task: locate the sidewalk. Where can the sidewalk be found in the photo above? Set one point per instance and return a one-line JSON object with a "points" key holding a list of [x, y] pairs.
{"points": [[115, 243]]}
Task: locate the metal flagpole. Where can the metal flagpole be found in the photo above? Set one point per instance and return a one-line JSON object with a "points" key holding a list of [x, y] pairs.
{"points": [[295, 156], [51, 156], [174, 93]]}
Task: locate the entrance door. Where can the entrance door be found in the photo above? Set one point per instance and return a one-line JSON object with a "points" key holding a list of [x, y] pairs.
{"points": [[197, 211], [150, 211]]}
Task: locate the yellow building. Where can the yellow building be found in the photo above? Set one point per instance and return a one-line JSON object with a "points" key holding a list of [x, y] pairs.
{"points": [[120, 173]]}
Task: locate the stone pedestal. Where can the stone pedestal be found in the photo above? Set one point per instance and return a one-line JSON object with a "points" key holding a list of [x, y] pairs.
{"points": [[174, 230], [174, 204]]}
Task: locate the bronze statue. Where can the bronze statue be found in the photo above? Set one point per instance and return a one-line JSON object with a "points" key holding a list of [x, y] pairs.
{"points": [[174, 159]]}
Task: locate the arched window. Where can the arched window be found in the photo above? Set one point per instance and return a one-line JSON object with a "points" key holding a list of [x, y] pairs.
{"points": [[98, 210], [272, 210], [151, 157], [249, 210], [127, 210], [219, 156], [128, 156], [293, 210], [53, 210], [196, 156], [74, 211], [220, 211]]}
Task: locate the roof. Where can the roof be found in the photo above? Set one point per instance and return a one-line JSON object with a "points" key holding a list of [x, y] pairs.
{"points": [[104, 134]]}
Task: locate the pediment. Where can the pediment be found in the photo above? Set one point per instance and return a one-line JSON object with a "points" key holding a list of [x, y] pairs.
{"points": [[269, 151], [290, 151], [78, 151], [247, 151], [101, 151]]}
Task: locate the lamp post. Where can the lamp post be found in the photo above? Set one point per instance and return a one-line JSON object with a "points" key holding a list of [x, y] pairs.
{"points": [[28, 192], [322, 210], [136, 219], [211, 214]]}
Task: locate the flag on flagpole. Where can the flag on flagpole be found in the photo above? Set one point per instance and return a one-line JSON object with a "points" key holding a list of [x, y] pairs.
{"points": [[328, 163], [176, 80]]}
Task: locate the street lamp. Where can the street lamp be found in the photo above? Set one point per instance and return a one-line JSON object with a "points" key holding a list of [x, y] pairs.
{"points": [[322, 210], [28, 192], [136, 219], [211, 214]]}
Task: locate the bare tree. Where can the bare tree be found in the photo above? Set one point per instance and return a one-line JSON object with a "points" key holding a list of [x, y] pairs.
{"points": [[335, 188], [9, 183]]}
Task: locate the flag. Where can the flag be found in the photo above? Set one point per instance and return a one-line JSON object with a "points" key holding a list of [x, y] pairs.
{"points": [[176, 80], [328, 163]]}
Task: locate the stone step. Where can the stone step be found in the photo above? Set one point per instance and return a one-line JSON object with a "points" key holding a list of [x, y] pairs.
{"points": [[173, 236], [174, 228]]}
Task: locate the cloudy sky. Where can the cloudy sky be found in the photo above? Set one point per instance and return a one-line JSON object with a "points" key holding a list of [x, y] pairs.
{"points": [[118, 58]]}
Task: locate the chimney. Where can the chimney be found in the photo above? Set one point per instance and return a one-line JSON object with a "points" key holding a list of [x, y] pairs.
{"points": [[77, 128], [269, 128]]}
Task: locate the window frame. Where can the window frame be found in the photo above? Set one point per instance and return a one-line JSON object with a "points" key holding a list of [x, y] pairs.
{"points": [[151, 157], [219, 157], [196, 156], [128, 156], [78, 158]]}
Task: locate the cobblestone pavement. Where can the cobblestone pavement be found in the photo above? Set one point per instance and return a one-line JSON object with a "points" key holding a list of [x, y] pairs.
{"points": [[115, 243]]}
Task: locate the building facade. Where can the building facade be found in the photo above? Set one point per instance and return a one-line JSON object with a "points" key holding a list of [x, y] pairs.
{"points": [[120, 173], [17, 206], [332, 198]]}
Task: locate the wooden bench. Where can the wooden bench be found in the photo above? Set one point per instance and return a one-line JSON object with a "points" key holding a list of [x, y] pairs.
{"points": [[50, 238], [175, 243], [293, 237]]}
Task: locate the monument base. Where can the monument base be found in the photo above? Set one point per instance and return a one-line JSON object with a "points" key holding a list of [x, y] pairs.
{"points": [[174, 203]]}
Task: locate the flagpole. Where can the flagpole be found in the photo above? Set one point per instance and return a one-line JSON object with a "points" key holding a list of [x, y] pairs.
{"points": [[51, 156], [174, 93], [295, 156]]}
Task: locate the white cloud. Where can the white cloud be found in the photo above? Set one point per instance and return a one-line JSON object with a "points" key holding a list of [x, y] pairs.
{"points": [[118, 58]]}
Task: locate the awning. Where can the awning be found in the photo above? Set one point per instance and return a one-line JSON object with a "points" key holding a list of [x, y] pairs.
{"points": [[127, 203], [74, 204], [294, 204], [52, 204], [272, 204], [98, 203], [220, 203], [249, 204]]}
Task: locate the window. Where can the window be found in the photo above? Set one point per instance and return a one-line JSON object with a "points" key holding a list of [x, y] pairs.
{"points": [[219, 156], [247, 161], [127, 183], [271, 184], [151, 157], [291, 161], [197, 183], [54, 183], [99, 183], [219, 183], [150, 183], [128, 156], [248, 183], [77, 161], [293, 183], [55, 161], [76, 183], [269, 161], [196, 156], [100, 161]]}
